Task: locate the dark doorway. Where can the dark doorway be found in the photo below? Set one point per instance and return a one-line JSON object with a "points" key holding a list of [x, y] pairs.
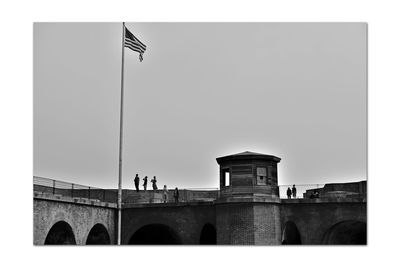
{"points": [[155, 234], [208, 235], [346, 233], [290, 235], [60, 234], [98, 235]]}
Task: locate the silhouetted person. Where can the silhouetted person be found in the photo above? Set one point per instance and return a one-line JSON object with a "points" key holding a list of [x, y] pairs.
{"points": [[137, 180], [145, 183], [289, 193], [294, 191], [165, 194], [176, 195], [154, 182]]}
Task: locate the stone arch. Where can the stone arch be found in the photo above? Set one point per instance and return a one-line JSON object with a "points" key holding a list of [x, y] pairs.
{"points": [[60, 234], [208, 235], [155, 234], [350, 232], [98, 235], [290, 234]]}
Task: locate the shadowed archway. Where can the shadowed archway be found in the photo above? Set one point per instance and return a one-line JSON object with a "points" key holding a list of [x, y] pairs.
{"points": [[290, 234], [208, 235], [155, 234], [98, 235], [60, 234], [346, 233]]}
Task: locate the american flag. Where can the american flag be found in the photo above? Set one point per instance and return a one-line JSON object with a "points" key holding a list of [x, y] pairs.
{"points": [[133, 43]]}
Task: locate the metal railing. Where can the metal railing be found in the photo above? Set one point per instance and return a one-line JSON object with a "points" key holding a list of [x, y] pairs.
{"points": [[302, 190], [72, 190]]}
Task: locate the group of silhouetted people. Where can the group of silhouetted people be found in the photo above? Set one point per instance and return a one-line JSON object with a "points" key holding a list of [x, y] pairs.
{"points": [[154, 182], [291, 192], [137, 181]]}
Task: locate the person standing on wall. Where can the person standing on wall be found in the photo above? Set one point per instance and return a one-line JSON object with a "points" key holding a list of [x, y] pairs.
{"points": [[165, 194], [176, 195], [154, 182], [289, 193], [137, 180], [145, 183], [294, 191]]}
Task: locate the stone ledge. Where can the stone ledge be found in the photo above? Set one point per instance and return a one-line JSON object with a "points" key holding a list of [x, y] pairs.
{"points": [[75, 200], [170, 204], [248, 199], [324, 200]]}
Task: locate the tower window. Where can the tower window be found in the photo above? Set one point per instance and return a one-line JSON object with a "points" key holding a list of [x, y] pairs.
{"points": [[226, 175], [261, 176], [272, 174]]}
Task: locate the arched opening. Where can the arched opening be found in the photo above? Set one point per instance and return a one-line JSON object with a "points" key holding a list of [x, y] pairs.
{"points": [[98, 235], [208, 235], [290, 235], [346, 233], [155, 234], [60, 234]]}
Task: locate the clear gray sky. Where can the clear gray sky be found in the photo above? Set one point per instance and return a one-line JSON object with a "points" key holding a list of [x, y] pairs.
{"points": [[204, 90]]}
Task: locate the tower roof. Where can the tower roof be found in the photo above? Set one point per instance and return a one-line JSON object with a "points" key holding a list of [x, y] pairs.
{"points": [[248, 155]]}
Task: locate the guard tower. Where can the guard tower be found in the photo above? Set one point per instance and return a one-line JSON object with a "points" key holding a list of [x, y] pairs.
{"points": [[249, 174], [248, 209]]}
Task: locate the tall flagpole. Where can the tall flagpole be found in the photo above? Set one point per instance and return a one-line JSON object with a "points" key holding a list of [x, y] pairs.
{"points": [[120, 137]]}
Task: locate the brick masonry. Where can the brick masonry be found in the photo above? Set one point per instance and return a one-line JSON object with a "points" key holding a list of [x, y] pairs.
{"points": [[267, 225], [235, 224], [186, 220], [248, 224], [314, 218], [80, 217]]}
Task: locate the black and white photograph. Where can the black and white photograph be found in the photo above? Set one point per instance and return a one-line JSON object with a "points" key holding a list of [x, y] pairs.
{"points": [[199, 133]]}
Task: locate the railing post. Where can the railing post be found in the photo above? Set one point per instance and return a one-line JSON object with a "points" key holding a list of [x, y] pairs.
{"points": [[54, 187], [89, 193]]}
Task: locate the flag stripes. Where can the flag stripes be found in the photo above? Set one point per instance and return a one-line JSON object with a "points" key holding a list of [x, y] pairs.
{"points": [[134, 44]]}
